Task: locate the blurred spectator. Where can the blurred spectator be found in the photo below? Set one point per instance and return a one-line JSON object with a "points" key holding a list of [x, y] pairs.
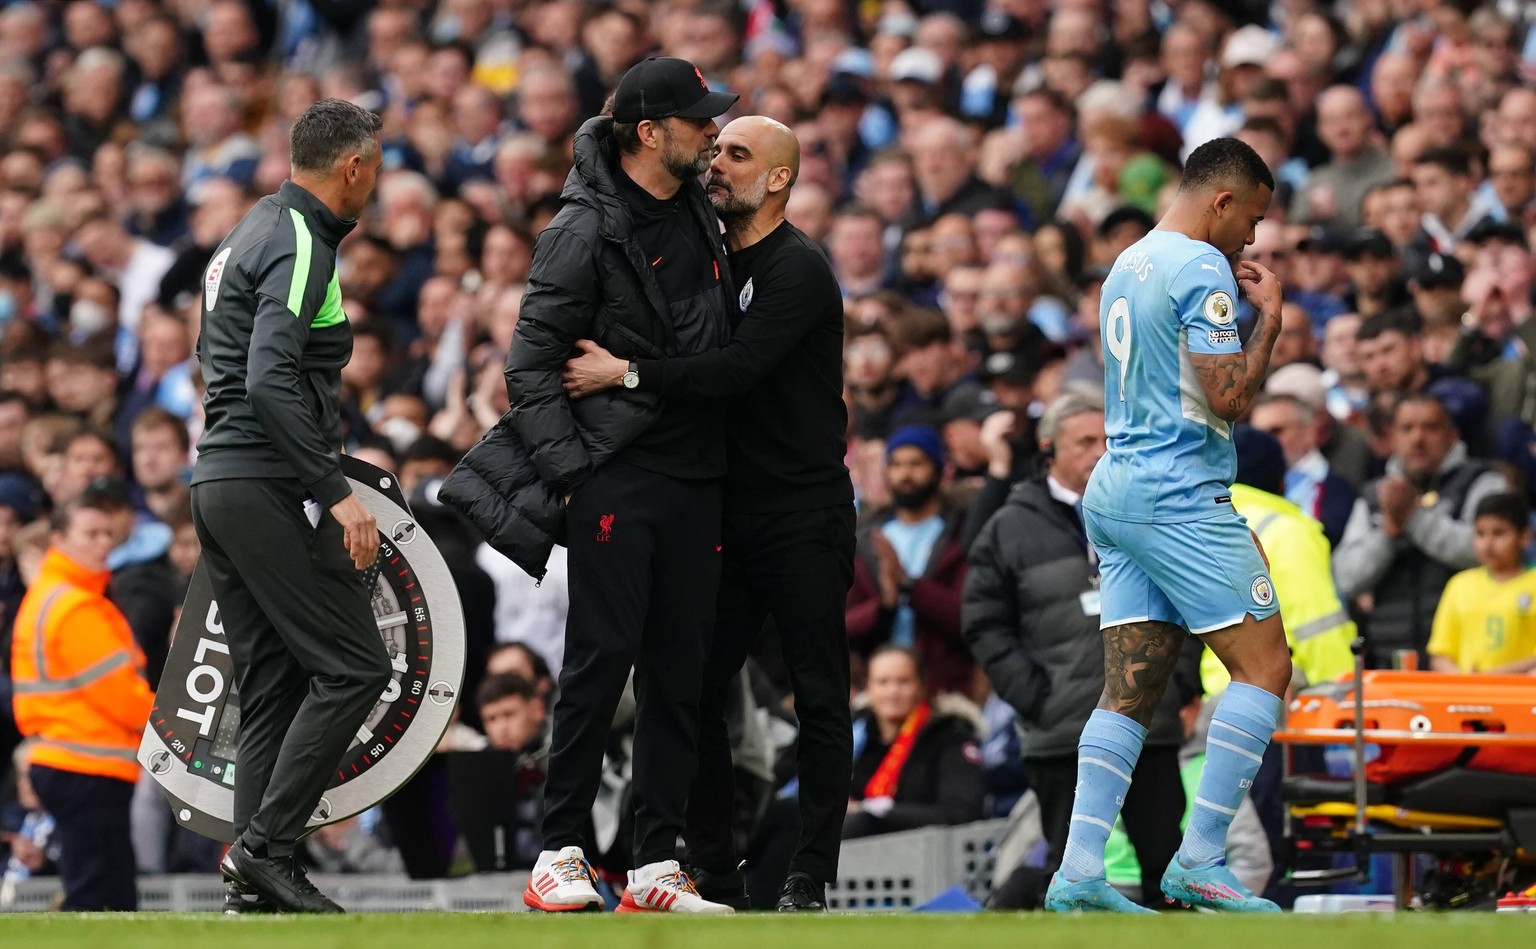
{"points": [[1413, 529], [1375, 274], [915, 764], [1393, 209], [1319, 275], [1334, 192], [161, 450], [869, 362], [856, 250], [212, 119], [1308, 481], [1512, 177], [1049, 150], [1005, 300], [944, 153], [909, 568], [1482, 623], [1442, 182], [1494, 344], [158, 205], [927, 363], [512, 712], [1344, 446], [135, 266], [1295, 343]]}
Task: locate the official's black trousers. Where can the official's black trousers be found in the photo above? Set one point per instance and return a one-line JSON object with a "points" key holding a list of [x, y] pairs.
{"points": [[796, 567], [644, 564], [90, 814], [1153, 809], [308, 658]]}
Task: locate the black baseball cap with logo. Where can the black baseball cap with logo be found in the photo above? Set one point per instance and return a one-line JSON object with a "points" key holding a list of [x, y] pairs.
{"points": [[664, 86]]}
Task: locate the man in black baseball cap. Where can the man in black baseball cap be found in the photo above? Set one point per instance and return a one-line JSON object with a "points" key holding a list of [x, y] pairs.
{"points": [[663, 87], [1375, 274], [628, 480]]}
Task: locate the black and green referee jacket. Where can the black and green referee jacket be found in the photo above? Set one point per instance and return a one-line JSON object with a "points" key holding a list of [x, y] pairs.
{"points": [[274, 339]]}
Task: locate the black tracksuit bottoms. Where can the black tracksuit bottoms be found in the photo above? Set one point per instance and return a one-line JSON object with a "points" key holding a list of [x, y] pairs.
{"points": [[1154, 807], [90, 814], [644, 564], [308, 658], [796, 567]]}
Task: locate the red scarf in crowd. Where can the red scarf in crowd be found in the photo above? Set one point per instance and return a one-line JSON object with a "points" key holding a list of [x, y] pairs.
{"points": [[888, 775]]}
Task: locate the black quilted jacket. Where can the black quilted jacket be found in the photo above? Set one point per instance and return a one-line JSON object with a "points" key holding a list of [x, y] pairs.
{"points": [[590, 280]]}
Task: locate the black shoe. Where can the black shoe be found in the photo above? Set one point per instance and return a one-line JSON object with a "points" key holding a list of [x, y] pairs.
{"points": [[239, 901], [728, 888], [280, 880], [801, 894]]}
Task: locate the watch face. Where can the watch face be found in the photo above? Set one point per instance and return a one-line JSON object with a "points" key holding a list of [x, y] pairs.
{"points": [[190, 744], [631, 379]]}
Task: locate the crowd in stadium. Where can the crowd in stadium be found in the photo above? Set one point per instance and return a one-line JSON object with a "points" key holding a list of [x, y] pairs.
{"points": [[973, 168]]}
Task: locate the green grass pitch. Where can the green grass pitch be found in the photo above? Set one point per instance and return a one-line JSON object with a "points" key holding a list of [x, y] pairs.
{"points": [[896, 931]]}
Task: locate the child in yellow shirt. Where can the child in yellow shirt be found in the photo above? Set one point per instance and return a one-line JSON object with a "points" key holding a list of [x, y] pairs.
{"points": [[1487, 616]]}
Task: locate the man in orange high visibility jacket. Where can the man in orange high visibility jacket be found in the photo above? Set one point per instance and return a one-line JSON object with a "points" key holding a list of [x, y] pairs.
{"points": [[81, 696]]}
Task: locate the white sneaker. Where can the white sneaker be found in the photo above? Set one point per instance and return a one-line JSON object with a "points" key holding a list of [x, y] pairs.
{"points": [[664, 888], [562, 882]]}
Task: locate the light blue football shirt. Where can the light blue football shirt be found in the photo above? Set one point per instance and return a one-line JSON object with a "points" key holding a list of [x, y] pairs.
{"points": [[1170, 457]]}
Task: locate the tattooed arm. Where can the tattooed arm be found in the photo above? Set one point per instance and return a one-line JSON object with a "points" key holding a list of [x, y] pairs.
{"points": [[1231, 380]]}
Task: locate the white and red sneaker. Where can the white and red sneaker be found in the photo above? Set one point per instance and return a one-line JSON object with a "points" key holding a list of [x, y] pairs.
{"points": [[664, 888], [562, 883]]}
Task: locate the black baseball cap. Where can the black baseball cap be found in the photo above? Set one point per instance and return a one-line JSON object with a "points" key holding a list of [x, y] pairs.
{"points": [[664, 86], [1323, 240], [1368, 241], [1490, 230], [1434, 271]]}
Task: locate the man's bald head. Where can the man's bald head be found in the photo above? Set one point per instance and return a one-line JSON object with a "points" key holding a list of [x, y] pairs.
{"points": [[757, 164], [769, 139]]}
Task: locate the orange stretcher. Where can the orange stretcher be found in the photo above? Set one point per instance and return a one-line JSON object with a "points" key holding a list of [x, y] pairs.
{"points": [[1441, 764]]}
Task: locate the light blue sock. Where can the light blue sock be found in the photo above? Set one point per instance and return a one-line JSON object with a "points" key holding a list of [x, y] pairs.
{"points": [[1106, 756], [1240, 731]]}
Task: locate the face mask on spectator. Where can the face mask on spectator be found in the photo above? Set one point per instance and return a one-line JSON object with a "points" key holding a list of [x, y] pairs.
{"points": [[87, 318], [400, 432], [7, 307]]}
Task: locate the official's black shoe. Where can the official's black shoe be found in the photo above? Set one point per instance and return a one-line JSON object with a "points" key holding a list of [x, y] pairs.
{"points": [[728, 888], [238, 901], [281, 881], [801, 894]]}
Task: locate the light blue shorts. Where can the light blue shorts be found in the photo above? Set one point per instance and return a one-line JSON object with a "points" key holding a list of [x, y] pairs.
{"points": [[1202, 575]]}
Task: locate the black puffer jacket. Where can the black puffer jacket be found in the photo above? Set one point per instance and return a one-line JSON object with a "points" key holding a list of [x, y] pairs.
{"points": [[590, 280]]}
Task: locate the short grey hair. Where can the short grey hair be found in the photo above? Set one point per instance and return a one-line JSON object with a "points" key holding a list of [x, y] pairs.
{"points": [[1075, 399], [329, 131]]}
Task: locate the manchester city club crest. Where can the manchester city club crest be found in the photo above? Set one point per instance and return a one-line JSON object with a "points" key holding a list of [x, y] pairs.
{"points": [[190, 743], [1263, 593], [746, 295]]}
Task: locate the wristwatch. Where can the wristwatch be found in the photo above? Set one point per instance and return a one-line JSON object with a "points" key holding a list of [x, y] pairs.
{"points": [[632, 377]]}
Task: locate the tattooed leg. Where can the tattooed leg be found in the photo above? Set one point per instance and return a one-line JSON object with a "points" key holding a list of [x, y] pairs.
{"points": [[1139, 658]]}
